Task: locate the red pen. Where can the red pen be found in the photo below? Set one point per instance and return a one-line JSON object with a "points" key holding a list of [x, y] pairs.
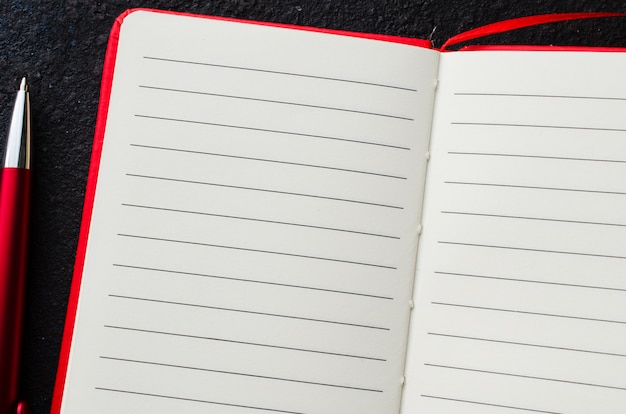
{"points": [[14, 203]]}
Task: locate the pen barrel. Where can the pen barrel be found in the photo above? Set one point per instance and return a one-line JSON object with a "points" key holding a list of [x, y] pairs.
{"points": [[14, 209]]}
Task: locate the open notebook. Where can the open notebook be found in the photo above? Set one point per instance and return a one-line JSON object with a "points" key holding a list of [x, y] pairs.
{"points": [[282, 220]]}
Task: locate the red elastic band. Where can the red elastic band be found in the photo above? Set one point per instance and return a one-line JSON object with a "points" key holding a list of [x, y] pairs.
{"points": [[520, 23]]}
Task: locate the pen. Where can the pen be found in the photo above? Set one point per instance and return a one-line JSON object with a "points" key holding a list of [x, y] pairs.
{"points": [[14, 206]]}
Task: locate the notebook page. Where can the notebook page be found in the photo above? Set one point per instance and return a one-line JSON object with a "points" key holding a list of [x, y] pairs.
{"points": [[520, 291], [252, 246]]}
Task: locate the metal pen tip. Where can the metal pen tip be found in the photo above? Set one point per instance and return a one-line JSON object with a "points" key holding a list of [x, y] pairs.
{"points": [[17, 153]]}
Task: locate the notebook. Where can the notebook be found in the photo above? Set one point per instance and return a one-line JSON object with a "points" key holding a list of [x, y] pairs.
{"points": [[291, 220]]}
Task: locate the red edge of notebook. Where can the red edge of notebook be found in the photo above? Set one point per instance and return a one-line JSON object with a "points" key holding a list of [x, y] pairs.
{"points": [[529, 21], [103, 108], [535, 48]]}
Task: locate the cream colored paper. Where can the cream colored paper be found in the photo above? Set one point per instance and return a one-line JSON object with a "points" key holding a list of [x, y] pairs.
{"points": [[254, 232], [521, 295]]}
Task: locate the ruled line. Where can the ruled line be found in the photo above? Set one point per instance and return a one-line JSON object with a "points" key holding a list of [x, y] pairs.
{"points": [[171, 397], [269, 161], [505, 216], [303, 75], [525, 95], [490, 404], [587, 384], [250, 98], [528, 249], [545, 282], [260, 220], [493, 154], [246, 249], [243, 374], [276, 315], [238, 279], [274, 131], [530, 187], [208, 338], [499, 341], [540, 126], [265, 190], [553, 315]]}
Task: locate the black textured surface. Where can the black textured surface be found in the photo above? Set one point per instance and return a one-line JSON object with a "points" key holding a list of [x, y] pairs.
{"points": [[60, 45]]}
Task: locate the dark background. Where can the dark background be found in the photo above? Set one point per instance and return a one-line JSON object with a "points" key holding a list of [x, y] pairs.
{"points": [[60, 44]]}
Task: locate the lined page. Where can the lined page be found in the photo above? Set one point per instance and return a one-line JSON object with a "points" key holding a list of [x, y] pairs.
{"points": [[521, 289], [253, 240]]}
